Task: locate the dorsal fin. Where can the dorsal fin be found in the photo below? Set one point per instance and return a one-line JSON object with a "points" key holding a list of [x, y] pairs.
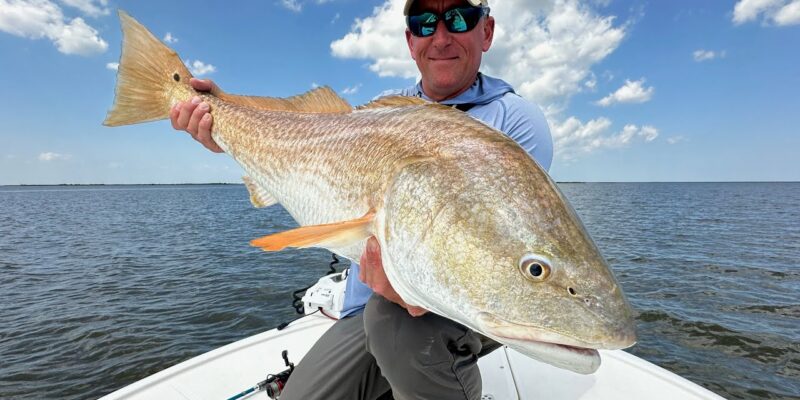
{"points": [[320, 100], [398, 101]]}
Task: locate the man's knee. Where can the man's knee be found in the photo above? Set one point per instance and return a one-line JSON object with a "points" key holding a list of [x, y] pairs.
{"points": [[392, 333], [418, 352]]}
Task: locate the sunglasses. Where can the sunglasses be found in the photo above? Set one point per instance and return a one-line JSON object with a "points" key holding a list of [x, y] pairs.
{"points": [[456, 20]]}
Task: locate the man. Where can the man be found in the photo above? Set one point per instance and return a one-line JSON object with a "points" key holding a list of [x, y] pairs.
{"points": [[383, 343]]}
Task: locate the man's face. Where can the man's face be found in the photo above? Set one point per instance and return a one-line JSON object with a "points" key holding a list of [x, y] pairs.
{"points": [[448, 62]]}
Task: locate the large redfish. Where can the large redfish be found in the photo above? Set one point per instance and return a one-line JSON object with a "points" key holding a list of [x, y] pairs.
{"points": [[470, 227]]}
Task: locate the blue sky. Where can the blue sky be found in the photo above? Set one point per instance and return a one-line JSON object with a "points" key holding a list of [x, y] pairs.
{"points": [[633, 90]]}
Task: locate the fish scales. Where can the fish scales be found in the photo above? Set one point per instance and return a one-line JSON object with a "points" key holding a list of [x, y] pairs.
{"points": [[470, 226], [314, 152]]}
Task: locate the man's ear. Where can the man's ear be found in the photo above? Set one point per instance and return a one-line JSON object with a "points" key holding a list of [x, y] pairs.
{"points": [[488, 33], [410, 44]]}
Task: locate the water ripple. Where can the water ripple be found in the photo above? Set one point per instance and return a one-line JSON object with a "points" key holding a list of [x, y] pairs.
{"points": [[101, 287]]}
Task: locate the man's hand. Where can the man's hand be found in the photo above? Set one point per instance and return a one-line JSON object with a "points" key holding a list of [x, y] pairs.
{"points": [[194, 117], [372, 274]]}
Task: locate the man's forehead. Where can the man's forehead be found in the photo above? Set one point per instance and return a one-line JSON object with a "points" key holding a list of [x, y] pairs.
{"points": [[417, 5]]}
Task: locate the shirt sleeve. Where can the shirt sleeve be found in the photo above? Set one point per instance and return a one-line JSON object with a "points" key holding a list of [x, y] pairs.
{"points": [[526, 124]]}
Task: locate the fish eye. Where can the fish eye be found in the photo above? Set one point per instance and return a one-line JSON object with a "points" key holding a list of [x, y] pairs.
{"points": [[176, 77], [535, 268]]}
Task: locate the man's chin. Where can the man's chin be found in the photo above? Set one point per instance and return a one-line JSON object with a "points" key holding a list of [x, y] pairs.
{"points": [[443, 84]]}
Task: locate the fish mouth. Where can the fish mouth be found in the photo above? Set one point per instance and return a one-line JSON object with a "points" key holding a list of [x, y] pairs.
{"points": [[544, 345], [513, 330]]}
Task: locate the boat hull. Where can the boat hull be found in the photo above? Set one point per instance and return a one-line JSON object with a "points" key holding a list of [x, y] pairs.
{"points": [[507, 374]]}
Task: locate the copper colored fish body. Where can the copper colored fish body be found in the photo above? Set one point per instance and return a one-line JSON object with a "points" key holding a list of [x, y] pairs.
{"points": [[470, 227]]}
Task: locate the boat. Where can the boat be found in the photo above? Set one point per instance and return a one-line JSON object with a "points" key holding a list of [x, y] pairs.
{"points": [[240, 370]]}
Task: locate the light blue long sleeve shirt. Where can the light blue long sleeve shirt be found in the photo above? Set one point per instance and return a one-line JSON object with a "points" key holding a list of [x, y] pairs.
{"points": [[494, 102]]}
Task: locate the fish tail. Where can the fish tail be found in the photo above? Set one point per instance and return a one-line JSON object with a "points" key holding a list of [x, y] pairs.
{"points": [[149, 75]]}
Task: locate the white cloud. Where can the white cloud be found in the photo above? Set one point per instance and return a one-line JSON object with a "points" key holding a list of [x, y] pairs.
{"points": [[297, 5], [706, 55], [778, 12], [36, 19], [90, 7], [675, 139], [112, 66], [591, 83], [199, 68], [79, 38], [545, 48], [380, 38], [50, 156], [748, 10], [351, 89], [314, 85], [292, 5], [789, 14], [631, 92], [169, 38], [336, 18], [573, 137]]}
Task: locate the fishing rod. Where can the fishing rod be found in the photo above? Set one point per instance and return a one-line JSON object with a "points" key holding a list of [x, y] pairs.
{"points": [[274, 384]]}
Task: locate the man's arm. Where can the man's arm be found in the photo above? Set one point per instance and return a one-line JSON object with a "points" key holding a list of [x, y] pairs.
{"points": [[527, 125], [372, 274], [194, 117]]}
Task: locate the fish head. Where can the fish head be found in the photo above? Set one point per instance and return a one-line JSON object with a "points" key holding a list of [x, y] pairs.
{"points": [[496, 246]]}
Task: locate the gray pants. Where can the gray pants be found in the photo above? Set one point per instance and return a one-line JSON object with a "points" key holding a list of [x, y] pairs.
{"points": [[365, 356]]}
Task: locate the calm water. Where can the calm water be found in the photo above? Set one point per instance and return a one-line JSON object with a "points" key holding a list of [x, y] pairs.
{"points": [[102, 286]]}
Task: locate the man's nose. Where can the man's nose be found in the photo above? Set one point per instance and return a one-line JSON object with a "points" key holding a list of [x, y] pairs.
{"points": [[441, 37]]}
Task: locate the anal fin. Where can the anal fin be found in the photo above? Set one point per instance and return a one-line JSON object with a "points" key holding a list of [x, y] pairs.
{"points": [[337, 234], [258, 197]]}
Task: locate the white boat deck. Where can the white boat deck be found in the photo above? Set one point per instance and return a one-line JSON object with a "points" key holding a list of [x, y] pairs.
{"points": [[507, 375]]}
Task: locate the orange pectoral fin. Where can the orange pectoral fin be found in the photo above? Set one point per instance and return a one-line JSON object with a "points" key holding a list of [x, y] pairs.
{"points": [[337, 234]]}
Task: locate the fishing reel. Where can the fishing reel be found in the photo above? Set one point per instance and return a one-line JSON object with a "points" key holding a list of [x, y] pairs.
{"points": [[274, 384]]}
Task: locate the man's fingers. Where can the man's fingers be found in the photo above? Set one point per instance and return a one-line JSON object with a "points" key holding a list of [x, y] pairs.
{"points": [[204, 134], [174, 112], [372, 274], [186, 114], [415, 311], [203, 85], [199, 112], [373, 251]]}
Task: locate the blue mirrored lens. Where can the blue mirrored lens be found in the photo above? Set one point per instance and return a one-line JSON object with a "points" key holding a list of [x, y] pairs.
{"points": [[457, 20], [454, 19], [423, 24]]}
